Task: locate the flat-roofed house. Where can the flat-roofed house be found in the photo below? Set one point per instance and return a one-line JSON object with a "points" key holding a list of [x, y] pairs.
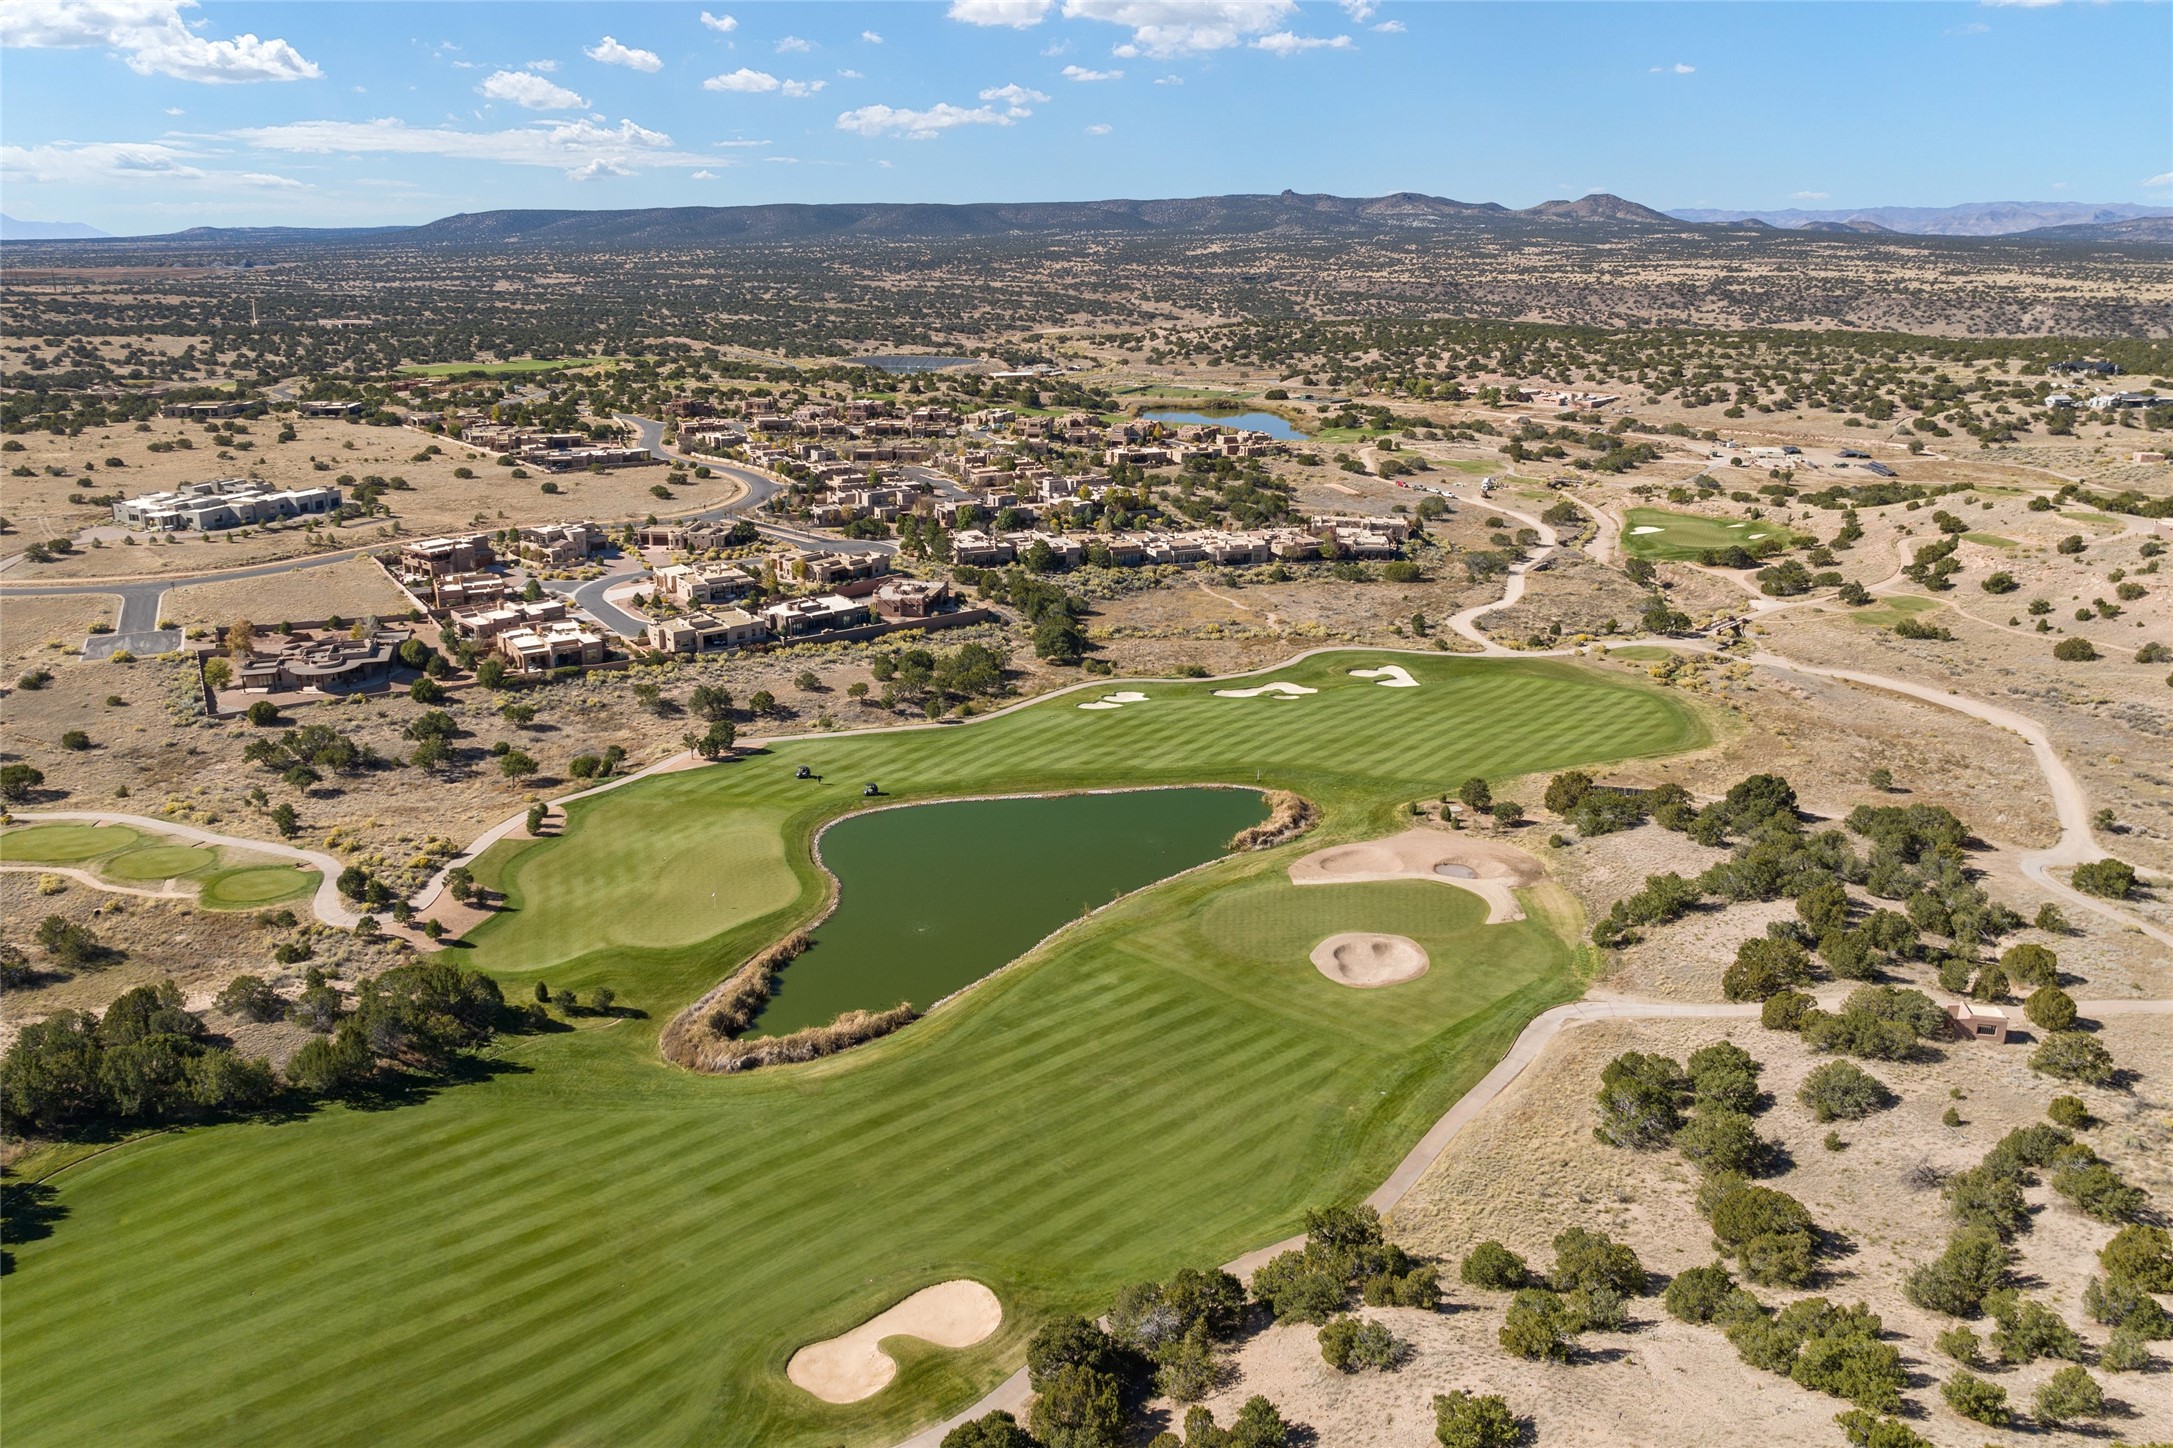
{"points": [[825, 613], [702, 633], [559, 644], [699, 584]]}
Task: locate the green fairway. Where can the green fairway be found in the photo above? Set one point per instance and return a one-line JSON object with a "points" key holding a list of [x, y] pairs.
{"points": [[1991, 540], [1892, 609], [248, 886], [585, 1245], [158, 862], [66, 844], [1642, 653], [1681, 537]]}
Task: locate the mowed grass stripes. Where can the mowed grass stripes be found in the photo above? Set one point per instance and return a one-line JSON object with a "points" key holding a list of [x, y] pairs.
{"points": [[585, 1245]]}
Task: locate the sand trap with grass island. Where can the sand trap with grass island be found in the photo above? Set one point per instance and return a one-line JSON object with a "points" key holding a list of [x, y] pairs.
{"points": [[1364, 959], [1490, 869], [1116, 701], [1279, 688], [1391, 676], [852, 1366]]}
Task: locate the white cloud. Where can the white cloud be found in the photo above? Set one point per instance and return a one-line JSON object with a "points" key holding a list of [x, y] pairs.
{"points": [[1166, 28], [583, 149], [744, 81], [1809, 195], [1015, 98], [1360, 11], [793, 45], [878, 121], [152, 38], [175, 111], [101, 163], [703, 176], [722, 24], [869, 37], [1081, 73], [1678, 68], [1286, 44], [2163, 178], [760, 82], [542, 67], [530, 91], [1018, 14], [1974, 27], [1389, 27], [850, 74], [1099, 130], [609, 52], [1171, 80]]}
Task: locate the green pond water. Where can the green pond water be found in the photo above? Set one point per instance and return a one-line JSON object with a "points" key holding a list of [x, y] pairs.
{"points": [[935, 896]]}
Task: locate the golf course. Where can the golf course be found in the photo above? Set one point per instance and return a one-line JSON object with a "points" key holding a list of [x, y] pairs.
{"points": [[581, 1243], [223, 879], [1665, 537]]}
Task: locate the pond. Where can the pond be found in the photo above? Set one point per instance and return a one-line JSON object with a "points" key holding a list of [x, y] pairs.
{"points": [[935, 896], [1267, 422], [899, 363]]}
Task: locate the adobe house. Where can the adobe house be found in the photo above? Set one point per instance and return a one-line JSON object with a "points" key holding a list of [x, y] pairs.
{"points": [[1975, 1021]]}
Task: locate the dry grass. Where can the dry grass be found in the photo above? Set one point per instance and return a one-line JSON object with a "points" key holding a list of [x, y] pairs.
{"points": [[350, 590], [42, 629]]}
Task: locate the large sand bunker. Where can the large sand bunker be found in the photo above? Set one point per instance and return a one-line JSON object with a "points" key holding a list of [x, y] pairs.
{"points": [[847, 1368], [1487, 868], [1116, 701], [1392, 676], [1366, 960]]}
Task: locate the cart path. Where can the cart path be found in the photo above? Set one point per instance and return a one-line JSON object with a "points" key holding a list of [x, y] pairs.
{"points": [[327, 903], [85, 877], [1014, 1393]]}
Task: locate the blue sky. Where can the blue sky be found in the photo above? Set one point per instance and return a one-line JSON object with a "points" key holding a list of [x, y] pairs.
{"points": [[149, 115]]}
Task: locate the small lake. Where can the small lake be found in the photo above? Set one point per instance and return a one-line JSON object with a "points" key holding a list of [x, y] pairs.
{"points": [[902, 363], [934, 896], [1267, 422]]}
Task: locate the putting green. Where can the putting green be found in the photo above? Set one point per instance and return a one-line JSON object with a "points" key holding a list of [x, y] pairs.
{"points": [[586, 1245], [65, 844], [249, 886], [159, 862], [1682, 537]]}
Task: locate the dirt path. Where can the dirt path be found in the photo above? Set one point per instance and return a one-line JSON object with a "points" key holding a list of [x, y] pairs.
{"points": [[327, 903], [85, 877], [1466, 623]]}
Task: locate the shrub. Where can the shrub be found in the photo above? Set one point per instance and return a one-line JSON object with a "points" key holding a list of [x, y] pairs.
{"points": [[1640, 1101], [263, 713], [252, 999], [1843, 1091], [1960, 1344], [1535, 1327], [1069, 1342], [1698, 1293], [1079, 1408], [2029, 1330], [2112, 879], [1986, 1197], [2142, 1255], [2126, 1351], [1348, 1344], [1464, 1421], [1763, 968], [1491, 1265], [2073, 1056], [1959, 1279], [1721, 1141], [1869, 1430], [1852, 1363], [996, 1430], [2050, 1008], [1977, 1400], [1297, 1289], [2025, 1148], [2118, 1302], [2068, 1394], [2031, 965], [1585, 1259], [2074, 651], [1726, 1076], [1770, 1233], [1786, 1010], [2098, 1191], [2068, 1111]]}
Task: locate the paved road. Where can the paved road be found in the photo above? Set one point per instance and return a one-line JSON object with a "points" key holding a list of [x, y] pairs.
{"points": [[759, 487], [136, 628]]}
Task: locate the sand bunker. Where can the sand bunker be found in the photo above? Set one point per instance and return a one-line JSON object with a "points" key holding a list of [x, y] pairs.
{"points": [[1392, 676], [1116, 701], [1646, 528], [1487, 868], [1287, 691], [848, 1368], [1363, 959]]}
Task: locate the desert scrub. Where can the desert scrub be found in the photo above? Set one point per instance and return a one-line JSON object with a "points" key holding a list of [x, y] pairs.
{"points": [[1961, 1344], [1977, 1400], [1493, 1266], [1348, 1344], [1843, 1091]]}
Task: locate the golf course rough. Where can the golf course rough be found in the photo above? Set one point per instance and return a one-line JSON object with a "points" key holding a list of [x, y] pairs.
{"points": [[583, 1243]]}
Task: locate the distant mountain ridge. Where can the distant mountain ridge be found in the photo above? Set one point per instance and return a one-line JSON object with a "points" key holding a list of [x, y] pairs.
{"points": [[14, 228], [1977, 218]]}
